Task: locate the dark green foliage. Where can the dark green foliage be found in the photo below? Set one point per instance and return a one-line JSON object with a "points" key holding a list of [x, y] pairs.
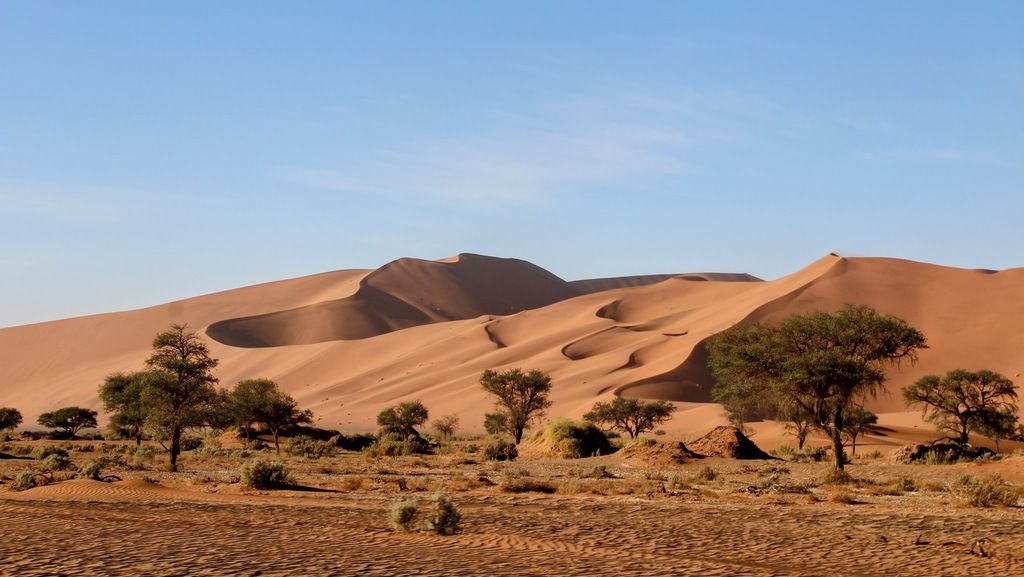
{"points": [[631, 416], [498, 449], [122, 396], [57, 462], [403, 419], [90, 470], [355, 442], [303, 446], [496, 423], [68, 420], [261, 401], [521, 398], [9, 418], [392, 445], [179, 389], [963, 401], [260, 474], [822, 363]]}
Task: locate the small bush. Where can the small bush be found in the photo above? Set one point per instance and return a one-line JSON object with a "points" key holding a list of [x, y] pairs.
{"points": [[45, 451], [984, 492], [260, 474], [574, 440], [90, 470], [904, 485], [444, 518], [402, 514], [191, 443], [27, 480], [498, 449], [356, 442], [706, 474], [392, 445], [513, 483], [57, 462], [837, 477], [310, 448], [843, 498]]}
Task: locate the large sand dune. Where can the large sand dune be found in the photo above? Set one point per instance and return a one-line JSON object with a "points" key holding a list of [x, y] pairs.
{"points": [[348, 343]]}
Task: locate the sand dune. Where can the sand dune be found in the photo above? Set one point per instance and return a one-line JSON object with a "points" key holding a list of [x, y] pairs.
{"points": [[422, 329]]}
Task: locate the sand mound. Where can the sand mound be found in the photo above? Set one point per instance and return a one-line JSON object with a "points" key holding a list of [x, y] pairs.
{"points": [[401, 294], [728, 442], [645, 452]]}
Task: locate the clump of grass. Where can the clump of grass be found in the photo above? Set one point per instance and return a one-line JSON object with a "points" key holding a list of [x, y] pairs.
{"points": [[392, 445], [843, 497], [675, 484], [706, 474], [598, 472], [57, 462], [444, 516], [260, 474], [402, 514], [498, 449], [837, 477], [28, 479], [514, 483], [984, 492], [574, 440], [90, 470], [905, 485], [303, 446], [42, 453]]}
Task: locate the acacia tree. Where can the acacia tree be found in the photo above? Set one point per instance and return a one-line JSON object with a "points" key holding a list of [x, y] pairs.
{"points": [[180, 388], [445, 426], [9, 418], [859, 421], [69, 420], [262, 401], [122, 396], [631, 416], [963, 401], [521, 398], [823, 363], [402, 419]]}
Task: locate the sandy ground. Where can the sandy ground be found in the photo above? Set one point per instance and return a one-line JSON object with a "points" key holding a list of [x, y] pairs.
{"points": [[640, 521]]}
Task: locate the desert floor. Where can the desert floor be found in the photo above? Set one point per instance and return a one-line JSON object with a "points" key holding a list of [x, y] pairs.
{"points": [[704, 517]]}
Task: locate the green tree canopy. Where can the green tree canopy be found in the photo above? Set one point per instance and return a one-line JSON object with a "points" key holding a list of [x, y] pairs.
{"points": [[180, 388], [962, 401], [859, 421], [402, 419], [69, 420], [521, 397], [9, 418], [823, 363], [631, 416], [262, 401], [121, 394]]}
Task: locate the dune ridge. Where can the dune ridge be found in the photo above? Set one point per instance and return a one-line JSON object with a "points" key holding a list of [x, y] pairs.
{"points": [[644, 341]]}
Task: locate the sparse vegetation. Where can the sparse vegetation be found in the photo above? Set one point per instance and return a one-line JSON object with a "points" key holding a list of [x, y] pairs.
{"points": [[260, 474], [985, 492], [706, 474], [446, 426]]}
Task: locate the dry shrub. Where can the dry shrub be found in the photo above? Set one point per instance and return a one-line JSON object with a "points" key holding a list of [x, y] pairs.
{"points": [[573, 440], [513, 483], [260, 474], [353, 482], [837, 477], [843, 497], [985, 492], [401, 514], [705, 474], [498, 449], [27, 480], [444, 517]]}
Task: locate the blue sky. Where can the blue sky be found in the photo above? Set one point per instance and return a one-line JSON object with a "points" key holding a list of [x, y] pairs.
{"points": [[152, 152]]}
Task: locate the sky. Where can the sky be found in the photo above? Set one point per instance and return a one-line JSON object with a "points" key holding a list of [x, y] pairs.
{"points": [[157, 151]]}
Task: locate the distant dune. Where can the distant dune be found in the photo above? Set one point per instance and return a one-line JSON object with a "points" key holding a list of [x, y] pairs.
{"points": [[348, 343]]}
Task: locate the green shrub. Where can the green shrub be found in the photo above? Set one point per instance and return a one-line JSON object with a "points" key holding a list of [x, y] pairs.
{"points": [[391, 445], [309, 447], [984, 492], [444, 518], [260, 474], [402, 513], [27, 480], [90, 470], [498, 449], [574, 440], [56, 462], [45, 451]]}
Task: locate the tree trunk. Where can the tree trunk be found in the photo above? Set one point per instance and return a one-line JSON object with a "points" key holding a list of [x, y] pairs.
{"points": [[801, 438], [853, 445], [963, 434], [138, 438], [518, 434], [277, 445], [175, 447], [837, 449]]}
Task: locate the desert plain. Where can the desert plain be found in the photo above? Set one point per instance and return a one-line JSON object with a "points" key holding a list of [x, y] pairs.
{"points": [[347, 344]]}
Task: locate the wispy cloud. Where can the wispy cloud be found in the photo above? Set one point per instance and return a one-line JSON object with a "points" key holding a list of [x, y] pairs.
{"points": [[566, 146], [957, 155]]}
